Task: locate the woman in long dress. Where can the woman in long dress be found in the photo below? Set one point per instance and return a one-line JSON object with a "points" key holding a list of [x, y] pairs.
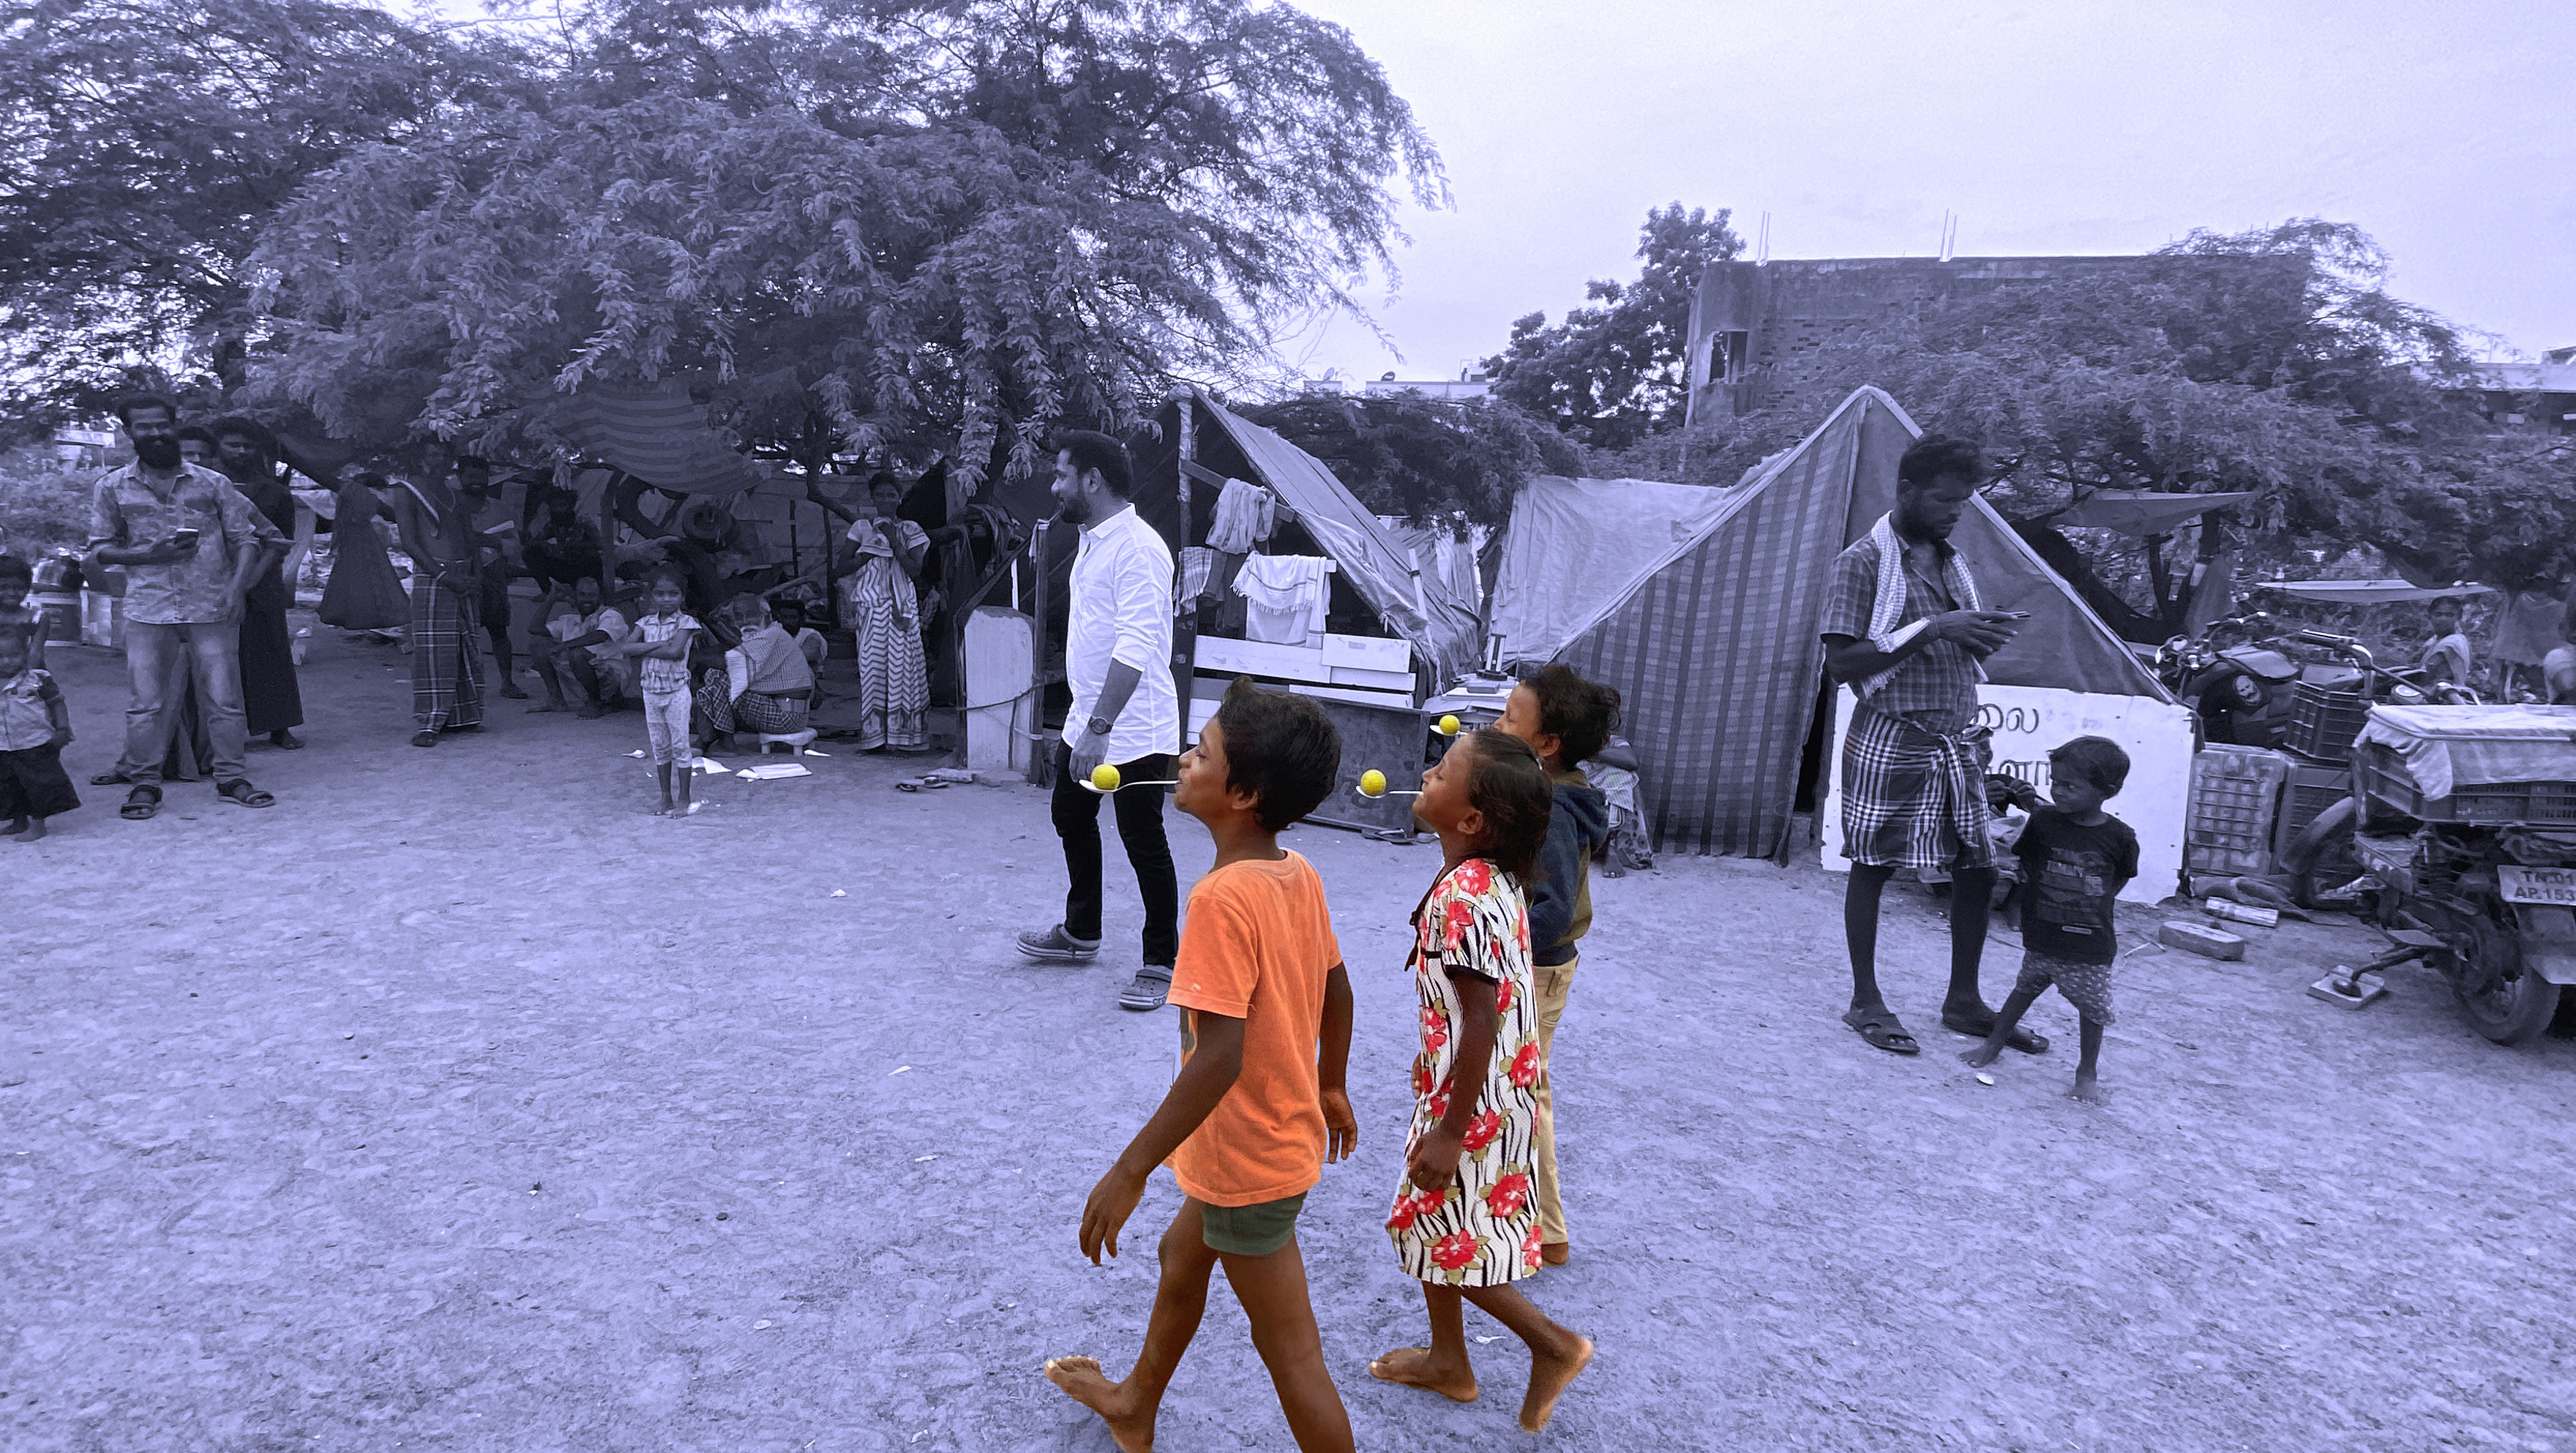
{"points": [[880, 601]]}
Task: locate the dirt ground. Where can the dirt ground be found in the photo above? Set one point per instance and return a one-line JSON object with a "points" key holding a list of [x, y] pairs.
{"points": [[455, 1102]]}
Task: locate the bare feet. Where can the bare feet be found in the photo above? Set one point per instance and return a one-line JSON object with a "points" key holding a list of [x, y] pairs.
{"points": [[26, 829], [1414, 1367], [1081, 1379], [512, 693], [589, 711], [16, 825], [1983, 1055], [2085, 1090], [548, 706], [1550, 1374]]}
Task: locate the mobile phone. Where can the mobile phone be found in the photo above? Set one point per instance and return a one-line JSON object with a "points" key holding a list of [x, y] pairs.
{"points": [[183, 538]]}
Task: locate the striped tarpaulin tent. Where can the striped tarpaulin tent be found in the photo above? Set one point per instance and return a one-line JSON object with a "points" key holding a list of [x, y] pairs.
{"points": [[656, 433], [1716, 655]]}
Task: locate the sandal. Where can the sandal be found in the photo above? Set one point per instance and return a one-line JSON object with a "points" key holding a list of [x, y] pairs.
{"points": [[2020, 1039], [110, 778], [140, 803], [240, 792], [1148, 990], [1879, 1025]]}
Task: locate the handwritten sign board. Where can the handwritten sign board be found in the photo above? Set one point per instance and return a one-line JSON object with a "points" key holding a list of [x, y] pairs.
{"points": [[2027, 722]]}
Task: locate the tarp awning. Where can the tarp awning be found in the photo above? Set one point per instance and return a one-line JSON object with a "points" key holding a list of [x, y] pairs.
{"points": [[2143, 511], [656, 433], [2370, 592]]}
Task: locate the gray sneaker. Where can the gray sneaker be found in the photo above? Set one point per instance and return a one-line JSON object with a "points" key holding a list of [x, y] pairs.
{"points": [[1055, 946]]}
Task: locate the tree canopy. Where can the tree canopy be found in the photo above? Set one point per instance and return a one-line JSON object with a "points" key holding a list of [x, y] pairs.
{"points": [[1419, 457], [1614, 372], [2273, 360], [147, 145], [848, 222]]}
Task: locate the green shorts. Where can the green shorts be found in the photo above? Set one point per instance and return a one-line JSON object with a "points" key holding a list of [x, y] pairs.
{"points": [[1255, 1230]]}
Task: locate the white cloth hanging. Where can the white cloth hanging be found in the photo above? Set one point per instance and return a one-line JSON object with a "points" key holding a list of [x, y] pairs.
{"points": [[1285, 596], [1245, 514]]}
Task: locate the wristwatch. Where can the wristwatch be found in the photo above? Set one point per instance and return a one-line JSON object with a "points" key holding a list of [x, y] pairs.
{"points": [[1100, 726]]}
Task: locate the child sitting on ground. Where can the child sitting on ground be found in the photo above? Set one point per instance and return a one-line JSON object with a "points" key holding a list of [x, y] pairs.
{"points": [[660, 643], [1258, 1107], [1565, 719], [2075, 859], [790, 615], [1464, 1224], [35, 726]]}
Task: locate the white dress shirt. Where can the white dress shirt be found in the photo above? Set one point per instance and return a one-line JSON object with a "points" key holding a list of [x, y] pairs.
{"points": [[1122, 611]]}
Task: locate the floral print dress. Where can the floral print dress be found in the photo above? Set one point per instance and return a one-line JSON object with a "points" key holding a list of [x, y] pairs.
{"points": [[1482, 1229]]}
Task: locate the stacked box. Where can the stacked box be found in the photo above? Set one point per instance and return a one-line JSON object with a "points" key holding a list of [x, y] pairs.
{"points": [[2235, 803]]}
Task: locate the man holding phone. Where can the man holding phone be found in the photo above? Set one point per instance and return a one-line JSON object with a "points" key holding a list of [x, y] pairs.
{"points": [[1904, 628], [192, 547]]}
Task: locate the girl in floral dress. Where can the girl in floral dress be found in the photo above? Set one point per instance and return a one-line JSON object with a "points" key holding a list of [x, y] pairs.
{"points": [[1464, 1224]]}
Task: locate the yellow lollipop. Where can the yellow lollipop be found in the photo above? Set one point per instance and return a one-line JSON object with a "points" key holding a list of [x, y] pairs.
{"points": [[1372, 783], [1105, 778], [1448, 726]]}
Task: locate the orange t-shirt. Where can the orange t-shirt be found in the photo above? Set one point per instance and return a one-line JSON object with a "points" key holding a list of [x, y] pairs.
{"points": [[1258, 947]]}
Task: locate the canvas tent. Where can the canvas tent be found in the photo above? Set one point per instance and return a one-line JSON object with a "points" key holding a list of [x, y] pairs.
{"points": [[1320, 517], [1715, 649]]}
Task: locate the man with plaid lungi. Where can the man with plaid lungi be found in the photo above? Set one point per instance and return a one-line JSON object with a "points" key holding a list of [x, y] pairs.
{"points": [[446, 606], [1904, 629]]}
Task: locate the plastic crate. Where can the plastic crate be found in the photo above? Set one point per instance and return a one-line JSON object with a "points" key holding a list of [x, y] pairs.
{"points": [[2323, 721], [2235, 805], [2382, 772], [2311, 789]]}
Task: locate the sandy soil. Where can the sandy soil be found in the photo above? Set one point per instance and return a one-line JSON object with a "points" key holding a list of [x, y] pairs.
{"points": [[457, 1103]]}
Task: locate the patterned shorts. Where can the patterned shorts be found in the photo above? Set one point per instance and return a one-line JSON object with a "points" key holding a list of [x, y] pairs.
{"points": [[2086, 986], [1911, 798]]}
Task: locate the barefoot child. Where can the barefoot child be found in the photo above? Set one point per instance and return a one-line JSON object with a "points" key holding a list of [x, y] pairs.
{"points": [[1258, 1107], [35, 726], [2075, 859], [1464, 1224], [661, 645], [1565, 719]]}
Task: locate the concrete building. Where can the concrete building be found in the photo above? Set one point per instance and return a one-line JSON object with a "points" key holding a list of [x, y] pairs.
{"points": [[1472, 386], [1758, 328], [2538, 397]]}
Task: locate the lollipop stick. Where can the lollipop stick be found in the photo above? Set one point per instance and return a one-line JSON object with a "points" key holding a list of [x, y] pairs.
{"points": [[1097, 790]]}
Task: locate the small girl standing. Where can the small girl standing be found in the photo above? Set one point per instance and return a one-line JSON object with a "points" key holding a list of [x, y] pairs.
{"points": [[1464, 1223], [35, 726], [661, 639]]}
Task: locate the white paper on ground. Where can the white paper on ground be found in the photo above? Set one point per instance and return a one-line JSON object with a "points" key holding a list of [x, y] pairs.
{"points": [[636, 753], [771, 771]]}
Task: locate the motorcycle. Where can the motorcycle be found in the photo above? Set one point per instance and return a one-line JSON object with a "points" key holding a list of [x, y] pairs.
{"points": [[2243, 695], [2479, 884]]}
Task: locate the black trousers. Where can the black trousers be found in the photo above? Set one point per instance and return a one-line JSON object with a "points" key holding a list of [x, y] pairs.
{"points": [[1140, 827]]}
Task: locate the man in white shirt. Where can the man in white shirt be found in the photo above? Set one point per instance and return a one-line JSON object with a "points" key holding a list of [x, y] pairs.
{"points": [[581, 652], [1126, 712]]}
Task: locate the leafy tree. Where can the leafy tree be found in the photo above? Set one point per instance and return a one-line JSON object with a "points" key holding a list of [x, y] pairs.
{"points": [[1613, 373], [1419, 457], [146, 144], [852, 223], [2273, 361]]}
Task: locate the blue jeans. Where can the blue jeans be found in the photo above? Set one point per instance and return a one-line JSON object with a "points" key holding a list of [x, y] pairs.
{"points": [[159, 662]]}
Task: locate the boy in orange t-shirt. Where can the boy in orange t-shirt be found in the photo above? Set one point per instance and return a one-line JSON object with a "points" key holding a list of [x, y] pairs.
{"points": [[1258, 1106]]}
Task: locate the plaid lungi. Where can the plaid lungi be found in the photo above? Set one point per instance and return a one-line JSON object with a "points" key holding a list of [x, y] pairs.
{"points": [[753, 711], [1912, 798], [446, 678]]}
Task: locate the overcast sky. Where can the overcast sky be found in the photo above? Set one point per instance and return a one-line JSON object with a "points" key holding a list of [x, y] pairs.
{"points": [[2447, 131]]}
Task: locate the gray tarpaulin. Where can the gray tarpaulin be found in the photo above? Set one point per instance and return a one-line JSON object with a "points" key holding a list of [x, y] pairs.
{"points": [[654, 432], [1575, 545]]}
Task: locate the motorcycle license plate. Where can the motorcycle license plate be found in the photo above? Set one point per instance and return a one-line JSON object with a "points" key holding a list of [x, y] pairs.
{"points": [[2538, 885]]}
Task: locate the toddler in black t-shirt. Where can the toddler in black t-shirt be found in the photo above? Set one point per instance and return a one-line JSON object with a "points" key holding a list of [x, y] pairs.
{"points": [[2075, 859]]}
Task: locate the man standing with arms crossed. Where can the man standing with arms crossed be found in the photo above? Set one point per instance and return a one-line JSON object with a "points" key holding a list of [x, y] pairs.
{"points": [[192, 547], [1904, 629], [1126, 712]]}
